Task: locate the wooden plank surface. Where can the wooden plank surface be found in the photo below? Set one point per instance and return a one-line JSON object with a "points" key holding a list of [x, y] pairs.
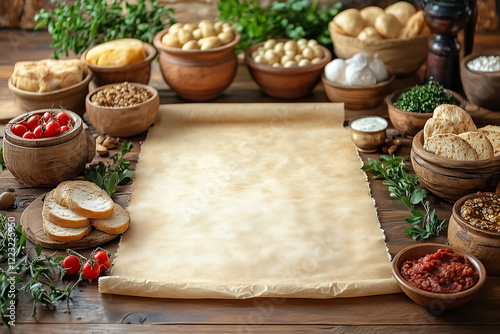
{"points": [[94, 312]]}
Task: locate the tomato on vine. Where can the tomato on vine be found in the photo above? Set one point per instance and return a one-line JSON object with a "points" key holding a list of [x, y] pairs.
{"points": [[19, 129], [91, 270], [52, 128], [103, 260], [72, 264], [29, 135], [33, 122], [63, 119], [39, 131]]}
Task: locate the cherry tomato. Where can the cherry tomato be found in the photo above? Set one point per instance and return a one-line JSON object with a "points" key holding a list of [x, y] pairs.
{"points": [[91, 271], [63, 119], [47, 117], [33, 122], [72, 264], [18, 129], [64, 128], [29, 135], [39, 131], [25, 123], [52, 128], [103, 260]]}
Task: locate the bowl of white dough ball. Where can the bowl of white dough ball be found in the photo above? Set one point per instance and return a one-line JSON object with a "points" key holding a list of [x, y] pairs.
{"points": [[361, 82]]}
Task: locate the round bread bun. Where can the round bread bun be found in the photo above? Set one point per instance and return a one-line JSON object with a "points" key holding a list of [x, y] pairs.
{"points": [[414, 26], [348, 22], [402, 10], [369, 34], [387, 25], [369, 14]]}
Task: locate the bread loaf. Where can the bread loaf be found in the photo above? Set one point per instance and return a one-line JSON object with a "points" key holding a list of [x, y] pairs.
{"points": [[117, 53]]}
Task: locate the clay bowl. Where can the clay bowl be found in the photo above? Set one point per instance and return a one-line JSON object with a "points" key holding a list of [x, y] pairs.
{"points": [[452, 179], [481, 88], [123, 121], [368, 133], [70, 98], [136, 72], [197, 75], [408, 123], [356, 97], [286, 83], [48, 161], [433, 300], [485, 245]]}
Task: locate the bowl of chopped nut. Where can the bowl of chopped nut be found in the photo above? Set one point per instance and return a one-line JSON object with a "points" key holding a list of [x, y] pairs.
{"points": [[123, 109], [474, 226]]}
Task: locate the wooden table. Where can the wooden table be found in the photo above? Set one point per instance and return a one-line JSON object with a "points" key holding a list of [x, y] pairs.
{"points": [[92, 312]]}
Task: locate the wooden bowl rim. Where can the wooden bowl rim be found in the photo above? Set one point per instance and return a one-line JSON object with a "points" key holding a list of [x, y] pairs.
{"points": [[433, 247], [458, 218], [379, 85], [466, 59], [150, 51], [134, 107], [170, 49], [327, 56], [20, 92]]}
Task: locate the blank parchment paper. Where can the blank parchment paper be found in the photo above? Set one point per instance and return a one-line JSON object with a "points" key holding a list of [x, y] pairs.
{"points": [[250, 200]]}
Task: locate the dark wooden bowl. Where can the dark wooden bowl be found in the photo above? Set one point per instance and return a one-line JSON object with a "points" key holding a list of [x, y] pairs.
{"points": [[408, 123], [286, 83], [452, 179], [358, 97], [432, 300], [485, 245], [481, 88]]}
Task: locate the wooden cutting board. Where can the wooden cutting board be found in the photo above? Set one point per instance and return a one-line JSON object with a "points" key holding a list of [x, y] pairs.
{"points": [[31, 221]]}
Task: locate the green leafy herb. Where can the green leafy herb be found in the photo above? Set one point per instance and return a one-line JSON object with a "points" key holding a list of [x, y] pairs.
{"points": [[109, 176], [425, 99], [404, 187], [293, 19], [81, 25]]}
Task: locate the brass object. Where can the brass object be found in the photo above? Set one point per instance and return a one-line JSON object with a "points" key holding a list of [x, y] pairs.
{"points": [[369, 140]]}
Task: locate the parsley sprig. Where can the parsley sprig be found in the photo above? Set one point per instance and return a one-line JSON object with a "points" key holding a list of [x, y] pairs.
{"points": [[425, 224]]}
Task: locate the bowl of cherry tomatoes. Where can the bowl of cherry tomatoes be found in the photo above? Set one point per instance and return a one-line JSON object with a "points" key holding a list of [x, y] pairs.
{"points": [[44, 147]]}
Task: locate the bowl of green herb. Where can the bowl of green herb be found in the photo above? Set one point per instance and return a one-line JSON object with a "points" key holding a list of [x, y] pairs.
{"points": [[411, 107]]}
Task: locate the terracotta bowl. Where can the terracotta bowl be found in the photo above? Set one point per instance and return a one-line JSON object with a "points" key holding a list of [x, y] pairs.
{"points": [[408, 123], [452, 179], [48, 161], [355, 97], [485, 245], [433, 300], [70, 98], [123, 121], [198, 75], [481, 88], [286, 83], [137, 72]]}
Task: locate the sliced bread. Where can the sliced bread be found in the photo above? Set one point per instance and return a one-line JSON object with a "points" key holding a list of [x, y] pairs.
{"points": [[461, 120], [480, 143], [64, 234], [61, 215], [493, 136], [116, 224], [451, 146], [435, 126]]}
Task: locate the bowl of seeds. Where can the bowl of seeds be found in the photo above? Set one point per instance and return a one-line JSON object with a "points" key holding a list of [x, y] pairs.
{"points": [[123, 109]]}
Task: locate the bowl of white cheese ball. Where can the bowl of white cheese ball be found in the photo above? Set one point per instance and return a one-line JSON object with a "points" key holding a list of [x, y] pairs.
{"points": [[287, 68]]}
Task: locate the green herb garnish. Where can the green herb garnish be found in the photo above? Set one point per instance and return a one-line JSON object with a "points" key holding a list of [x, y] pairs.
{"points": [[404, 187], [425, 99], [85, 23]]}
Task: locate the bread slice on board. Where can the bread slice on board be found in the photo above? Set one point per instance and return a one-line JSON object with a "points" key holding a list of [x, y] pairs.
{"points": [[64, 234], [451, 146], [480, 143], [116, 224], [85, 198], [61, 215]]}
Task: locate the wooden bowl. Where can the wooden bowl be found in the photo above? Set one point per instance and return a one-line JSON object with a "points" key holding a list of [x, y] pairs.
{"points": [[481, 88], [356, 97], [402, 55], [198, 75], [48, 161], [485, 245], [286, 83], [123, 121], [433, 300], [408, 123], [136, 72], [70, 98], [452, 179]]}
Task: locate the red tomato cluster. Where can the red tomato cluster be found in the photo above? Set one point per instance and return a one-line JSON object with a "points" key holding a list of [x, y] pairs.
{"points": [[48, 124], [92, 268]]}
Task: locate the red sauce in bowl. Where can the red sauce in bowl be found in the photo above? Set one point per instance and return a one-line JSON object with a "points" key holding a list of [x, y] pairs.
{"points": [[443, 272]]}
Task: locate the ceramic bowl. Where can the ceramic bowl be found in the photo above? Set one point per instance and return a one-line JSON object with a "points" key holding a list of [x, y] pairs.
{"points": [[286, 83], [358, 97], [123, 121], [481, 88], [197, 75], [452, 179], [136, 72], [368, 133], [70, 98], [485, 245], [432, 300], [48, 161], [408, 123]]}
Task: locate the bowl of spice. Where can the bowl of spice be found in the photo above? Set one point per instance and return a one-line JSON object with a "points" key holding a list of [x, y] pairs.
{"points": [[474, 226], [438, 276], [411, 107], [368, 133], [123, 109], [480, 75]]}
